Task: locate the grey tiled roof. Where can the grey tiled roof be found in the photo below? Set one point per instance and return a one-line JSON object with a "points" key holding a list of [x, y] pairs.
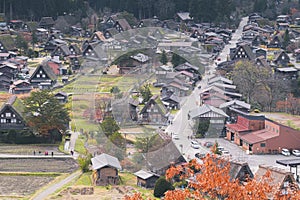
{"points": [[197, 112], [237, 102]]}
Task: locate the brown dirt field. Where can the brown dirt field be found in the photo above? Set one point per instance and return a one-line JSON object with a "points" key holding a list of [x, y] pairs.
{"points": [[21, 185], [38, 165]]}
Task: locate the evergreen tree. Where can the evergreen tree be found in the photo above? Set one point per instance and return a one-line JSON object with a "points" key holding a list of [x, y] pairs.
{"points": [[286, 39], [109, 126], [164, 58], [161, 186]]}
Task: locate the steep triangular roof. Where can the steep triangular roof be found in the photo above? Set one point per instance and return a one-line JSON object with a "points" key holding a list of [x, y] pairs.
{"points": [[15, 105], [8, 42], [46, 69]]}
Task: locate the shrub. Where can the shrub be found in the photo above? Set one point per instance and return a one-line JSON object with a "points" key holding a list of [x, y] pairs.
{"points": [[161, 186], [84, 162]]}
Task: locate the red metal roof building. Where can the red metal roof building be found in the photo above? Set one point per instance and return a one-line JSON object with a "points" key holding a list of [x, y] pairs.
{"points": [[262, 136]]}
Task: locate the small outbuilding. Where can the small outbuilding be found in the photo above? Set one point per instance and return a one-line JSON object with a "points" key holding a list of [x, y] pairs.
{"points": [[106, 170], [146, 179]]}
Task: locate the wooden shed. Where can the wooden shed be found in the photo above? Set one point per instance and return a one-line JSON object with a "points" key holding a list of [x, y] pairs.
{"points": [[146, 179], [106, 170]]}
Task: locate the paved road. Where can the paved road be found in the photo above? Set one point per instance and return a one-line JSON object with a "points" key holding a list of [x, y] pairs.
{"points": [[50, 190], [181, 125]]}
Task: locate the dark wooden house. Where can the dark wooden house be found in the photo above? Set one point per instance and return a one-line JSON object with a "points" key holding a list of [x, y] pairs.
{"points": [[240, 171], [106, 170], [11, 115], [5, 82], [43, 77], [133, 111], [160, 160], [154, 112], [97, 37], [281, 59], [94, 52], [146, 179], [46, 22], [242, 52], [62, 97], [20, 87]]}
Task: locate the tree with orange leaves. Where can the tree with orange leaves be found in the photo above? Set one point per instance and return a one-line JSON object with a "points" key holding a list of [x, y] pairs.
{"points": [[211, 180]]}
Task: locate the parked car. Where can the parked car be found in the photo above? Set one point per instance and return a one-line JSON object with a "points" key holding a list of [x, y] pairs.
{"points": [[285, 152], [208, 144], [200, 155], [195, 144], [220, 148], [296, 152], [225, 153], [175, 136]]}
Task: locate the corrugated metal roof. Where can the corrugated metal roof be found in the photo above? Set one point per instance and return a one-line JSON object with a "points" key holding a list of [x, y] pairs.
{"points": [[103, 160]]}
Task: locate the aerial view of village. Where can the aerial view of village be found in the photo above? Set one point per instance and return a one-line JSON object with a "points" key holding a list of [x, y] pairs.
{"points": [[149, 99]]}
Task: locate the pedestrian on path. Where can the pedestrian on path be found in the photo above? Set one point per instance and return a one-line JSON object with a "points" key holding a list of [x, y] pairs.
{"points": [[72, 152], [52, 153], [34, 152]]}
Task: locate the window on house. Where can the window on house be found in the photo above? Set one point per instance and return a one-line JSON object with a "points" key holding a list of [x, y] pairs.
{"points": [[43, 75], [41, 71], [3, 121], [2, 115], [262, 144], [7, 114], [13, 121], [14, 115], [38, 76]]}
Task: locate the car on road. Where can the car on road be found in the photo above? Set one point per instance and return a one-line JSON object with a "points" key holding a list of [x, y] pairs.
{"points": [[200, 155], [296, 152], [208, 144], [195, 144], [175, 136], [285, 152]]}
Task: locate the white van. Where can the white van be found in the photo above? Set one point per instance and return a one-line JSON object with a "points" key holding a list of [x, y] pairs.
{"points": [[285, 152]]}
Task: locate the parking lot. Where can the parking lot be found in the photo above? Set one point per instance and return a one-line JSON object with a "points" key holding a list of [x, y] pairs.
{"points": [[240, 155]]}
